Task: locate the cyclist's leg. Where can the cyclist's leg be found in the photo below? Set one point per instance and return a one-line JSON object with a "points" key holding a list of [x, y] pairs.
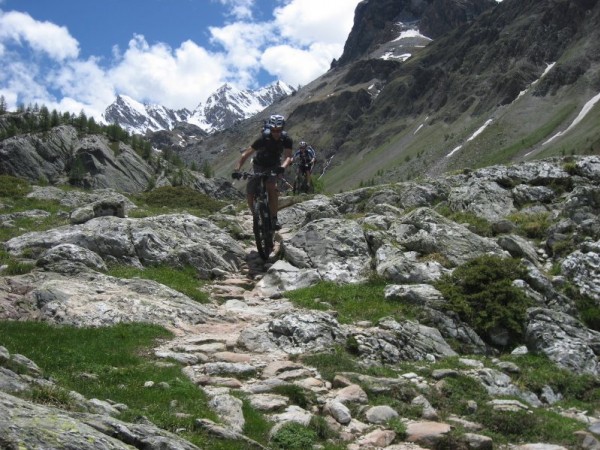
{"points": [[273, 196], [250, 192], [252, 188]]}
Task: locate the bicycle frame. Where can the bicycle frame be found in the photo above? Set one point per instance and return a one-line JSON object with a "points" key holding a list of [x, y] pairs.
{"points": [[261, 214]]}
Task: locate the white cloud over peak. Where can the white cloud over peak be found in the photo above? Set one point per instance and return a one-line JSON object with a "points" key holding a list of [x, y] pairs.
{"points": [[175, 78]]}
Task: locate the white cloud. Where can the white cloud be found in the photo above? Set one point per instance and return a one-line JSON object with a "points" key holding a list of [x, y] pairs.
{"points": [[294, 65], [308, 21], [241, 43], [46, 37], [240, 9], [315, 31]]}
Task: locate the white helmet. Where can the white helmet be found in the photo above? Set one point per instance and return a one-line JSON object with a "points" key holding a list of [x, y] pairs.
{"points": [[276, 121]]}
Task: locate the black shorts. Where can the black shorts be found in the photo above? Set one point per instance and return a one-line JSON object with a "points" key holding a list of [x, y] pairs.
{"points": [[253, 183], [305, 168]]}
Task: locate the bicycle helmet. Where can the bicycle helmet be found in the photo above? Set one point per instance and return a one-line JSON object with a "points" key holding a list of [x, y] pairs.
{"points": [[303, 144], [276, 121]]}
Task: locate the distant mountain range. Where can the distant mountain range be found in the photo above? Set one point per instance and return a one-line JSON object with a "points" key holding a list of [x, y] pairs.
{"points": [[222, 109]]}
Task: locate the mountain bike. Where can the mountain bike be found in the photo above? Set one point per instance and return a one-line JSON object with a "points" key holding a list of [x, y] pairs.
{"points": [[301, 186], [261, 214]]}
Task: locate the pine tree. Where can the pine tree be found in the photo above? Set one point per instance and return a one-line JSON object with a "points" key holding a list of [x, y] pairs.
{"points": [[54, 118], [44, 118]]}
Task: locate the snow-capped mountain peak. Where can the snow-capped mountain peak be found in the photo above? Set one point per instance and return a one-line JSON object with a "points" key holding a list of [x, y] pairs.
{"points": [[221, 110]]}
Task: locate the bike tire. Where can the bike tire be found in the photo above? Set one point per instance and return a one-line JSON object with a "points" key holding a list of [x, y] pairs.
{"points": [[263, 231], [305, 187]]}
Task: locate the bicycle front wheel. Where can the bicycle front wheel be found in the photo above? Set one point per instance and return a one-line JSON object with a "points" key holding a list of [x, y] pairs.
{"points": [[263, 232]]}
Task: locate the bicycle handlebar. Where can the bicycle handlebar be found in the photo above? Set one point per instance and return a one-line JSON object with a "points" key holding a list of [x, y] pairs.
{"points": [[247, 175]]}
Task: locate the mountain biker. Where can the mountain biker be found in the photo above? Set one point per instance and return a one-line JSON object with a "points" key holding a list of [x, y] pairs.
{"points": [[269, 147], [305, 157]]}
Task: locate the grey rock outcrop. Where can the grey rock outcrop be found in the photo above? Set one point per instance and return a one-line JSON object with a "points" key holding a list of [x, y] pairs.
{"points": [[59, 156], [177, 240], [248, 338]]}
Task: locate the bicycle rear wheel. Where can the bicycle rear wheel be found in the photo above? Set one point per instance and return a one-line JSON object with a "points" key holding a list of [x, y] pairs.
{"points": [[263, 231]]}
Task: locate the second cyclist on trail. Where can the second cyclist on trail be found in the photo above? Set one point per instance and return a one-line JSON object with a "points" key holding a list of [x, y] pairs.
{"points": [[305, 158], [273, 145]]}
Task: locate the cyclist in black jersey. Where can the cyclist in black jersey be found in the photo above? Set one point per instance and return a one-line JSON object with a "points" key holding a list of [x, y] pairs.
{"points": [[273, 145]]}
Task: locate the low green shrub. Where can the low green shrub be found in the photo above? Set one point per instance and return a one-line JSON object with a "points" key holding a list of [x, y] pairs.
{"points": [[294, 436], [532, 226], [589, 313], [481, 293]]}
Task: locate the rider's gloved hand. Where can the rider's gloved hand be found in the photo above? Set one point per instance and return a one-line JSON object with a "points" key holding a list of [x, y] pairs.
{"points": [[236, 175], [279, 170]]}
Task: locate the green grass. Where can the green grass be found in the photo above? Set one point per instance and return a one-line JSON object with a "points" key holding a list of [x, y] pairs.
{"points": [[12, 187], [477, 224], [353, 302], [175, 198], [339, 360], [537, 371], [120, 358], [537, 425], [58, 216], [184, 280]]}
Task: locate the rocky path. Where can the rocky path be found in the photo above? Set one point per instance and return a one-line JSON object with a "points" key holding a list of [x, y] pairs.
{"points": [[216, 359]]}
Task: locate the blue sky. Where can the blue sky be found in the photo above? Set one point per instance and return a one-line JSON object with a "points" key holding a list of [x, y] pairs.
{"points": [[76, 55]]}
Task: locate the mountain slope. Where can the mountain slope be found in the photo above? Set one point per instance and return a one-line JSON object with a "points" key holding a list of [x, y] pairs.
{"points": [[495, 88]]}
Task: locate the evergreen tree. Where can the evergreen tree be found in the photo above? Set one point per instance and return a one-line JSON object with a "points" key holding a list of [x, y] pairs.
{"points": [[81, 122], [2, 104], [54, 119], [207, 170], [146, 150], [66, 118], [44, 118], [92, 126]]}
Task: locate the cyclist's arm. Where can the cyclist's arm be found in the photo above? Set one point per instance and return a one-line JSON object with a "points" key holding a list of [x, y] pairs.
{"points": [[287, 157], [245, 155]]}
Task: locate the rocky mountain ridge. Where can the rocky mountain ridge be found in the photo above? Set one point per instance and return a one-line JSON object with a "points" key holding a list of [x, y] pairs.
{"points": [[248, 338], [496, 87]]}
